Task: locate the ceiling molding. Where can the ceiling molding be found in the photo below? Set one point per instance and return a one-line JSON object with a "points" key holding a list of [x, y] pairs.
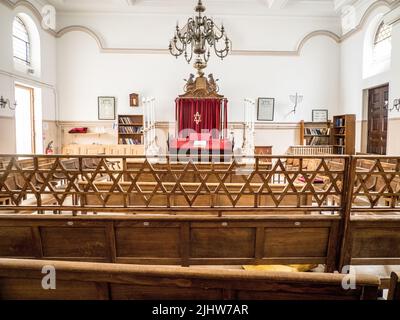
{"points": [[393, 17], [391, 5], [104, 49]]}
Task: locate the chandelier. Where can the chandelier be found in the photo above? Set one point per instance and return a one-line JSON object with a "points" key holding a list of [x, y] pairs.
{"points": [[198, 38]]}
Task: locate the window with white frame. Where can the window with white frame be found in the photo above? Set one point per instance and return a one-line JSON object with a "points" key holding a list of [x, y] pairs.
{"points": [[382, 43], [21, 42]]}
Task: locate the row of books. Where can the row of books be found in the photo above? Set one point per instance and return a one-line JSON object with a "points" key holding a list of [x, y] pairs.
{"points": [[130, 141], [317, 131], [341, 131], [131, 130], [340, 141], [340, 122], [126, 120], [318, 141], [340, 150]]}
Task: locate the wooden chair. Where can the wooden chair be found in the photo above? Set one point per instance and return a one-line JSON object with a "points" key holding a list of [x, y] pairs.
{"points": [[21, 279]]}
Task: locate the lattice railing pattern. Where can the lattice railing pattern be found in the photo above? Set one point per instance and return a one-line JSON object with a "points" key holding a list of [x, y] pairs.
{"points": [[376, 183], [107, 183]]}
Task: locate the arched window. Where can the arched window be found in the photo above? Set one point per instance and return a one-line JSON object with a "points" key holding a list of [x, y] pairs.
{"points": [[382, 42], [22, 42]]}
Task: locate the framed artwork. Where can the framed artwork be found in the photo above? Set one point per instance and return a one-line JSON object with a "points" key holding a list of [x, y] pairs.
{"points": [[134, 100], [106, 108], [320, 115], [265, 109]]}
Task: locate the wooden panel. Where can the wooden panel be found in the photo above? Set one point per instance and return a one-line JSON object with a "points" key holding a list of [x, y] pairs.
{"points": [[376, 243], [303, 294], [31, 289], [138, 292], [148, 242], [16, 242], [222, 243], [74, 242], [296, 242], [378, 99]]}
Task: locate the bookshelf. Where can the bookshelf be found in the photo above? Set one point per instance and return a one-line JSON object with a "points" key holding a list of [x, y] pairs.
{"points": [[315, 133], [343, 135], [130, 129]]}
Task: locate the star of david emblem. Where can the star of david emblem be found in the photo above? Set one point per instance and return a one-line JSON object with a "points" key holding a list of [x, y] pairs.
{"points": [[197, 118]]}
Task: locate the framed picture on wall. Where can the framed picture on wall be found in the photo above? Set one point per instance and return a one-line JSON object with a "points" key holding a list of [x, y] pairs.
{"points": [[320, 115], [265, 109], [106, 108]]}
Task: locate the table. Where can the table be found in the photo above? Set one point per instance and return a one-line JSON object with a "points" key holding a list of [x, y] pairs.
{"points": [[216, 147]]}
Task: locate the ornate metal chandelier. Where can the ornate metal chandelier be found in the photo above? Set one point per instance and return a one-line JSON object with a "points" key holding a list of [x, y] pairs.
{"points": [[198, 38]]}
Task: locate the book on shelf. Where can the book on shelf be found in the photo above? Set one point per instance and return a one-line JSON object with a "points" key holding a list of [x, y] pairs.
{"points": [[131, 130], [318, 141], [340, 122], [317, 131], [130, 141]]}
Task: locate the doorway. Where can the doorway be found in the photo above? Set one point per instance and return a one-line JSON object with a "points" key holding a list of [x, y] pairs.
{"points": [[378, 102], [25, 120]]}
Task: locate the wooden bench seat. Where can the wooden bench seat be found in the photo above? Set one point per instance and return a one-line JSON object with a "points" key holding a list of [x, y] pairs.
{"points": [[21, 279]]}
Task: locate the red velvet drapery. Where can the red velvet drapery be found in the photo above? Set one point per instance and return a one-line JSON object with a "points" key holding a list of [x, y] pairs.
{"points": [[210, 113]]}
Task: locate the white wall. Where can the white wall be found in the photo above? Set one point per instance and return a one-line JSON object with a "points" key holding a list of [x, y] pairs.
{"points": [[394, 124], [314, 74], [353, 83], [9, 75]]}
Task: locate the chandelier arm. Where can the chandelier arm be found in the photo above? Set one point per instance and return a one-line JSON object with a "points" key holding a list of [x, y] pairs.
{"points": [[221, 53], [179, 49]]}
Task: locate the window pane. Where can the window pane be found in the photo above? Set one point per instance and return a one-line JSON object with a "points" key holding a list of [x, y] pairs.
{"points": [[384, 32], [21, 41]]}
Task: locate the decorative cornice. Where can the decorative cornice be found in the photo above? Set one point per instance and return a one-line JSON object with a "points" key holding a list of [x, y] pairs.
{"points": [[393, 17], [104, 49], [386, 3]]}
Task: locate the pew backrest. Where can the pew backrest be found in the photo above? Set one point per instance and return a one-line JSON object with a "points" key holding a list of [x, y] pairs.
{"points": [[22, 279]]}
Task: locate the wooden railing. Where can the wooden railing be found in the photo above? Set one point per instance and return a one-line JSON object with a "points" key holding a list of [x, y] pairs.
{"points": [[310, 150], [111, 184]]}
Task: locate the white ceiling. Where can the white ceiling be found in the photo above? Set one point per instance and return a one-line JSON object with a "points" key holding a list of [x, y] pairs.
{"points": [[257, 7]]}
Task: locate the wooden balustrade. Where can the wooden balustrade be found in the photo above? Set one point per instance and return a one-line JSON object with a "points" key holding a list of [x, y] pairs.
{"points": [[69, 182]]}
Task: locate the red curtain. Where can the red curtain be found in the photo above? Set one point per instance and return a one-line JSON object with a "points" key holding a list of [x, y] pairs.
{"points": [[208, 112]]}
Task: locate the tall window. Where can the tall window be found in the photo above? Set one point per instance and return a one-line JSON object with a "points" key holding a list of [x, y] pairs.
{"points": [[383, 42], [22, 42]]}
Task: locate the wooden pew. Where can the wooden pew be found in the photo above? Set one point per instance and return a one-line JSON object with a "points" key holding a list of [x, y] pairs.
{"points": [[21, 279], [173, 240], [372, 240]]}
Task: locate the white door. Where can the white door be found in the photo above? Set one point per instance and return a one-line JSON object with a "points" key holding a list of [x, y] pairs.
{"points": [[24, 120]]}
